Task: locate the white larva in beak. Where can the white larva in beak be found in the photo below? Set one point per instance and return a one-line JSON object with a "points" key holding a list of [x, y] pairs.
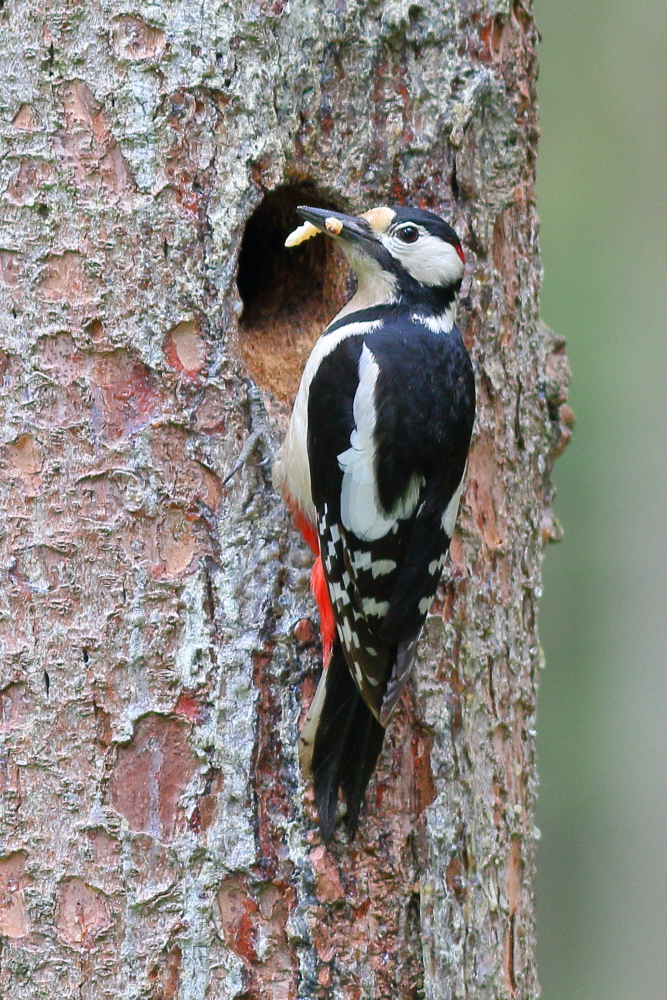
{"points": [[301, 234]]}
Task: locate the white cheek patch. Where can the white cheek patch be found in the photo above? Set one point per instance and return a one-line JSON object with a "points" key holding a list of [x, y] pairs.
{"points": [[430, 260]]}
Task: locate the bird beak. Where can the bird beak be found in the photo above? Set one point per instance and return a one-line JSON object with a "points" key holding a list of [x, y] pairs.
{"points": [[349, 228]]}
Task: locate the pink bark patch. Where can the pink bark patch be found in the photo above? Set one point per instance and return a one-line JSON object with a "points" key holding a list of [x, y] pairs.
{"points": [[13, 879], [32, 175], [137, 41], [25, 118], [151, 774], [82, 913], [14, 706], [24, 458], [87, 147], [65, 280], [254, 928], [62, 359], [10, 267], [185, 348], [127, 393], [177, 544]]}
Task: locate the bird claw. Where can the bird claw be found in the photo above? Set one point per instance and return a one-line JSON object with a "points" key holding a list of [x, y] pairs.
{"points": [[261, 433]]}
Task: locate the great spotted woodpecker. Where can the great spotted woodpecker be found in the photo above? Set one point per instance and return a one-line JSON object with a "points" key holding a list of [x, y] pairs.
{"points": [[372, 470]]}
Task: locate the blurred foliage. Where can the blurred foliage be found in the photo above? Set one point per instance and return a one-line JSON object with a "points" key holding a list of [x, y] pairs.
{"points": [[602, 712]]}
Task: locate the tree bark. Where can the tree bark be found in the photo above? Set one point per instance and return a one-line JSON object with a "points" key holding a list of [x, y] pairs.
{"points": [[158, 636]]}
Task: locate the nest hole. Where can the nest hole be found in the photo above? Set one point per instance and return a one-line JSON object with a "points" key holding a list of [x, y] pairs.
{"points": [[289, 295]]}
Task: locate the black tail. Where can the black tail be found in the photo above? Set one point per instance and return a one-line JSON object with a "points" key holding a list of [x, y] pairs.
{"points": [[347, 745]]}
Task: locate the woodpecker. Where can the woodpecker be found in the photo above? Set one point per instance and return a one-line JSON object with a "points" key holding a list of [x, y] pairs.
{"points": [[372, 470]]}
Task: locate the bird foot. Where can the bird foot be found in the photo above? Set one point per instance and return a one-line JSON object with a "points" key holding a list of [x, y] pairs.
{"points": [[261, 433]]}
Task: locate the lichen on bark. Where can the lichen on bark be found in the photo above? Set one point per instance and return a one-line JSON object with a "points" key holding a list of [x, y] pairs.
{"points": [[157, 633]]}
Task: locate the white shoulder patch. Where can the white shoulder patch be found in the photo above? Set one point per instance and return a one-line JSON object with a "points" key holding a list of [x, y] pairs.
{"points": [[360, 507], [291, 468], [437, 324]]}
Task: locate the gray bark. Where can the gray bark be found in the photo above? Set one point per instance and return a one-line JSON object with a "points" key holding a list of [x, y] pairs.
{"points": [[158, 637]]}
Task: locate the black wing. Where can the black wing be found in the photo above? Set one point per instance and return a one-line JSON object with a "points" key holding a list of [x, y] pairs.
{"points": [[382, 578]]}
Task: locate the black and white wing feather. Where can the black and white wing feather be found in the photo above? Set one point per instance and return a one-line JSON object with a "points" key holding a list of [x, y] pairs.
{"points": [[390, 416]]}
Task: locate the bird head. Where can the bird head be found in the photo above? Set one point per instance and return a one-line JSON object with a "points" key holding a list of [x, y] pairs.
{"points": [[399, 255]]}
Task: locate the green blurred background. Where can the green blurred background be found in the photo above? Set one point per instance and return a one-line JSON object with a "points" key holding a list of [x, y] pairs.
{"points": [[602, 711]]}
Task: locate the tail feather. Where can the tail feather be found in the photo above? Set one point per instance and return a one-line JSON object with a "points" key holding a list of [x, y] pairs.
{"points": [[347, 744], [364, 745]]}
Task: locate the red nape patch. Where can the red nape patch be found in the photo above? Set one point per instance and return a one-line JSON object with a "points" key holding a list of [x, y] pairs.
{"points": [[318, 585], [459, 250]]}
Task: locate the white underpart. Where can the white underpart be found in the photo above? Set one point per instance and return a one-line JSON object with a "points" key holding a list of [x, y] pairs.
{"points": [[291, 468], [307, 736], [452, 509], [375, 287], [360, 507], [444, 323], [430, 260]]}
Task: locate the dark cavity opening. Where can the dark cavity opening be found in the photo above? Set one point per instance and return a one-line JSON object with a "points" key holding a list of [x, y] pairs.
{"points": [[289, 295]]}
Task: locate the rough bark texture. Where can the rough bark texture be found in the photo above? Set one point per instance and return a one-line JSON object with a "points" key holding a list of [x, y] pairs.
{"points": [[158, 638]]}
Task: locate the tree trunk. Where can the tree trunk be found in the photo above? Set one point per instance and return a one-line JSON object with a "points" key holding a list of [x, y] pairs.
{"points": [[158, 636]]}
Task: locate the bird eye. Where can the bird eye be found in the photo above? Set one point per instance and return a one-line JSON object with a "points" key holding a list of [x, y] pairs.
{"points": [[408, 234]]}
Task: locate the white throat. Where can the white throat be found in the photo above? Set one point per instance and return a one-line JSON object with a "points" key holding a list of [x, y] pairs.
{"points": [[375, 286]]}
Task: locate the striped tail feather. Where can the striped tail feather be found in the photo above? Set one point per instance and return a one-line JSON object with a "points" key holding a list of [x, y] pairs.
{"points": [[339, 745]]}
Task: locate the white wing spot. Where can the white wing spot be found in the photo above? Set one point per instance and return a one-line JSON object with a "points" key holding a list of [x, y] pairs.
{"points": [[339, 594], [383, 566], [361, 560], [374, 607], [425, 604], [350, 638], [452, 509], [437, 564]]}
